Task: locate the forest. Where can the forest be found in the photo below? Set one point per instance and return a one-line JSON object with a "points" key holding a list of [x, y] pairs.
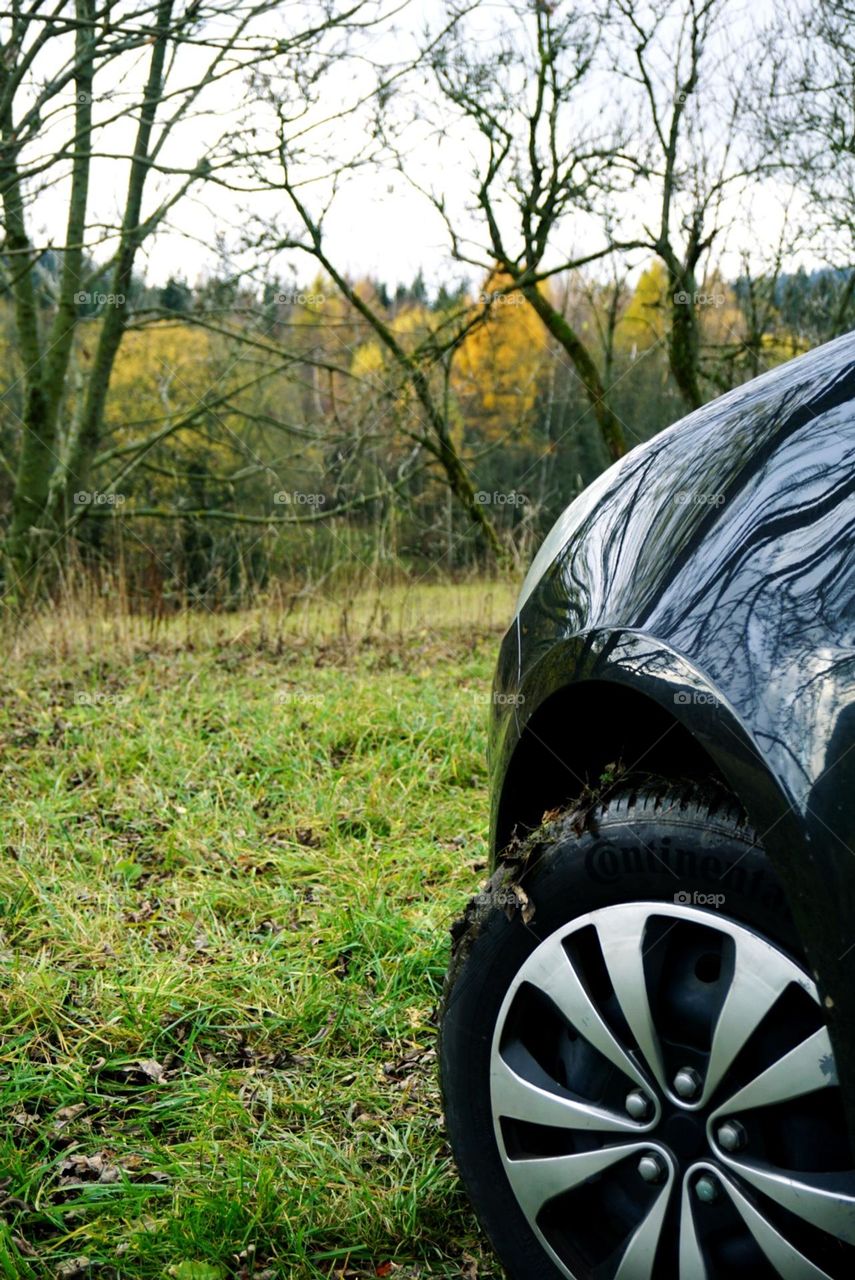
{"points": [[629, 217]]}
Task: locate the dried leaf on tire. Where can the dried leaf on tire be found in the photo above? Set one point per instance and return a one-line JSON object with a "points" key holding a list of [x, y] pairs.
{"points": [[522, 903]]}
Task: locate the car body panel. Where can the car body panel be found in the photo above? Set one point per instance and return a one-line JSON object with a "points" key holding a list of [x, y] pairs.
{"points": [[713, 570]]}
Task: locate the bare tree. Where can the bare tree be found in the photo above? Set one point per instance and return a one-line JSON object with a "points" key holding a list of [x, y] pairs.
{"points": [[690, 112], [541, 159], [587, 121], [297, 151], [58, 71], [806, 83], [430, 428]]}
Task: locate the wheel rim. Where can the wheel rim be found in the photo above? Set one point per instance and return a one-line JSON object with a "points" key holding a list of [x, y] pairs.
{"points": [[665, 1103]]}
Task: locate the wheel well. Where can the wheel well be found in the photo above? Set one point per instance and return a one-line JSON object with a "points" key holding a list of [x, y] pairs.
{"points": [[576, 734]]}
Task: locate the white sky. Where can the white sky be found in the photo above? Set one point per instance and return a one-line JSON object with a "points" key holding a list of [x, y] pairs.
{"points": [[378, 225]]}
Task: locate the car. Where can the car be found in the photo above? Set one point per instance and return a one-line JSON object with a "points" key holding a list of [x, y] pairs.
{"points": [[647, 1033]]}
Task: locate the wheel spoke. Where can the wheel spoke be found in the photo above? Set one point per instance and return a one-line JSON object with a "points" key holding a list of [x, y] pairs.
{"points": [[621, 937], [519, 1098], [553, 972], [757, 983], [692, 1265], [535, 1182], [639, 1255], [825, 1199], [808, 1067], [789, 1263]]}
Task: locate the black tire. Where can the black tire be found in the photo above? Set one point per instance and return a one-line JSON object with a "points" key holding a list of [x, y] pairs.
{"points": [[647, 844]]}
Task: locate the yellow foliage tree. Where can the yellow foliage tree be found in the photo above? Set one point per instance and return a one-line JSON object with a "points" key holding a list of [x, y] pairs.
{"points": [[500, 366], [161, 369], [163, 373], [644, 322]]}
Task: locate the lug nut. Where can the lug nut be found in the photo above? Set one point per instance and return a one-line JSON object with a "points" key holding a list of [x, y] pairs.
{"points": [[707, 1189], [638, 1104], [731, 1136], [651, 1167], [687, 1083]]}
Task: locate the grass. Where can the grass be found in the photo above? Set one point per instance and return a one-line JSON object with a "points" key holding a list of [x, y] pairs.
{"points": [[230, 851]]}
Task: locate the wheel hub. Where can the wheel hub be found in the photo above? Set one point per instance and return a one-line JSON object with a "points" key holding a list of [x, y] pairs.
{"points": [[685, 1136], [656, 1064]]}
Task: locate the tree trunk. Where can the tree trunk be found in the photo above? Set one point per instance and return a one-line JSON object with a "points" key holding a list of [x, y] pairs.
{"points": [[35, 460], [684, 337], [46, 373], [87, 436], [560, 328]]}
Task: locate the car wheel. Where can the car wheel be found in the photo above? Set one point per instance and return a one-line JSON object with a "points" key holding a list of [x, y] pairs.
{"points": [[637, 1078]]}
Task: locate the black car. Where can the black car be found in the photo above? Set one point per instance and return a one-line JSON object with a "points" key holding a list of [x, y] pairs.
{"points": [[648, 1032]]}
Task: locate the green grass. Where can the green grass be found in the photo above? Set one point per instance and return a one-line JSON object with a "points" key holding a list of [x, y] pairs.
{"points": [[229, 857]]}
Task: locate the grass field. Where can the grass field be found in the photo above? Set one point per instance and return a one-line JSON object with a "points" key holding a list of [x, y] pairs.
{"points": [[231, 850]]}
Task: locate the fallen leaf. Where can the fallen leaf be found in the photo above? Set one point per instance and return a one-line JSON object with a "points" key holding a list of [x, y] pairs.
{"points": [[73, 1267], [64, 1117], [23, 1247], [145, 1071], [81, 1168], [145, 912]]}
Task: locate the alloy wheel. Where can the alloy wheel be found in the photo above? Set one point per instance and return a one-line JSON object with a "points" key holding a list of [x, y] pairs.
{"points": [[665, 1103]]}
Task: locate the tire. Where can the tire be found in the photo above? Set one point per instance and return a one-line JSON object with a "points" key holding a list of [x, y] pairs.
{"points": [[680, 867]]}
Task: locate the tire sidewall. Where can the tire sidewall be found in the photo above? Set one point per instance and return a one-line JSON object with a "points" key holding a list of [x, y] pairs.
{"points": [[631, 856]]}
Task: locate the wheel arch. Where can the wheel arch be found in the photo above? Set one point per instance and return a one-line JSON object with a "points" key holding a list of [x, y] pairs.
{"points": [[623, 727], [622, 698]]}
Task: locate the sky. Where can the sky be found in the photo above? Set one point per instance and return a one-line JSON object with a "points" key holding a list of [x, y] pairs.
{"points": [[378, 225]]}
